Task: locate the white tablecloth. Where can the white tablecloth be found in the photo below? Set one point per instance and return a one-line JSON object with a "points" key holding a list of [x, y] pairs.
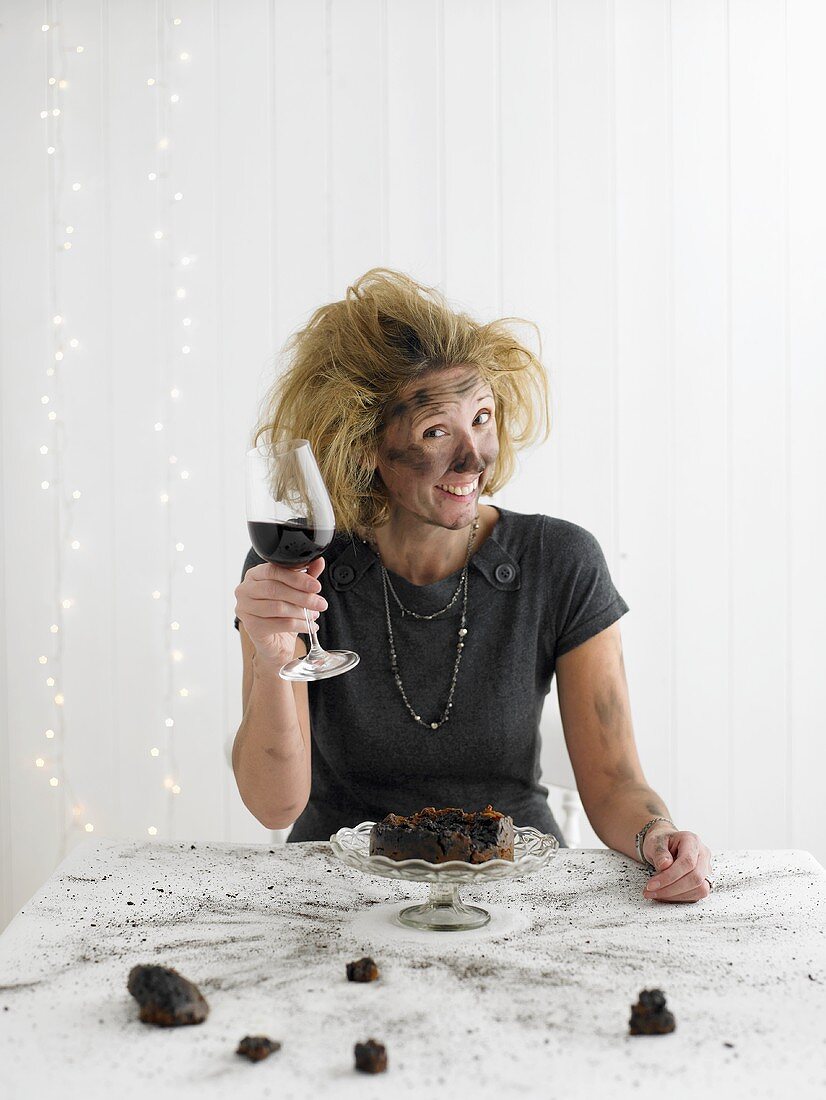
{"points": [[536, 1004]]}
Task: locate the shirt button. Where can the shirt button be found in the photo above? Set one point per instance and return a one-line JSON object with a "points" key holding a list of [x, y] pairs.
{"points": [[504, 572], [343, 574]]}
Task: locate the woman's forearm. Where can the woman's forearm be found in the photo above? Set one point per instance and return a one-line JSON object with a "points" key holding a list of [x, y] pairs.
{"points": [[617, 820], [269, 756]]}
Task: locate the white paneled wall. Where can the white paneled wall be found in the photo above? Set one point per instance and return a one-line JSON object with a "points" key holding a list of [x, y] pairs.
{"points": [[643, 179]]}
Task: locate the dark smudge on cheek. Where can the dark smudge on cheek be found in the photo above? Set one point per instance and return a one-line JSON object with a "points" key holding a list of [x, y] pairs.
{"points": [[413, 457]]}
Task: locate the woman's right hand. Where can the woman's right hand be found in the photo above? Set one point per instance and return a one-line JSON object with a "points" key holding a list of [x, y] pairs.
{"points": [[270, 602]]}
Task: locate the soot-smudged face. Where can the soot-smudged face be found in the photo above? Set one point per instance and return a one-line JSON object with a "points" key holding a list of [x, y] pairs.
{"points": [[439, 446]]}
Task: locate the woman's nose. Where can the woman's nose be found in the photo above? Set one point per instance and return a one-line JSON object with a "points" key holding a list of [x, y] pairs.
{"points": [[467, 459]]}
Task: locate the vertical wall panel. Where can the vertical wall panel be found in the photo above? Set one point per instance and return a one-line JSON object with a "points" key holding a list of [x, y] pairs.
{"points": [[586, 382], [701, 582], [355, 180], [411, 138], [758, 422], [645, 372], [806, 827], [34, 812], [472, 229]]}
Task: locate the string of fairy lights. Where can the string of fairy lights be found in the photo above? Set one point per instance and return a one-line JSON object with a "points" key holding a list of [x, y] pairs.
{"points": [[175, 325]]}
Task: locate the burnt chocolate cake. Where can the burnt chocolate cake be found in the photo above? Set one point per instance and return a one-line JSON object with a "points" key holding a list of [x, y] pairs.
{"points": [[442, 835]]}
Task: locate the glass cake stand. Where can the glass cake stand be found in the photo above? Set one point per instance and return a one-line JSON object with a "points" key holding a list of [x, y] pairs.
{"points": [[444, 910]]}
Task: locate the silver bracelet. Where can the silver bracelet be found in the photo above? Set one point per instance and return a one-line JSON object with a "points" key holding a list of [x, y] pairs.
{"points": [[641, 837]]}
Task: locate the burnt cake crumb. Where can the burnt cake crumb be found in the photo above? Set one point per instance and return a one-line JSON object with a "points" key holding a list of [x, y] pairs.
{"points": [[362, 970], [166, 998], [649, 1016], [371, 1057], [257, 1047]]}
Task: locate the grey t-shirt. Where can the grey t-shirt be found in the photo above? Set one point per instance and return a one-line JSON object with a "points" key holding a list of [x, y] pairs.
{"points": [[537, 587]]}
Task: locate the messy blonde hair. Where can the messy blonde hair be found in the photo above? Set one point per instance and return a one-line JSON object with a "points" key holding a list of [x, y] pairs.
{"points": [[353, 358]]}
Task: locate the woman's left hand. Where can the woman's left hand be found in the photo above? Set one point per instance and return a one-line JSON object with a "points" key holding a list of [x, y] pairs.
{"points": [[682, 865]]}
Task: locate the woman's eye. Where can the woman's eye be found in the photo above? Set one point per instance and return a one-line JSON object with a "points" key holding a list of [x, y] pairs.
{"points": [[429, 434], [483, 417]]}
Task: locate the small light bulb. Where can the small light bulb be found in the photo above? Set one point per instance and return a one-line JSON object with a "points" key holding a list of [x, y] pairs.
{"points": [[50, 682], [58, 356], [184, 693], [45, 27], [185, 475], [189, 569], [174, 98], [178, 196], [156, 595], [89, 827], [55, 112], [179, 546], [63, 83], [176, 22], [173, 459], [76, 186], [176, 393], [50, 372], [152, 176], [52, 416], [57, 319], [186, 349], [158, 234], [67, 245], [54, 628], [59, 700], [53, 782], [177, 655], [186, 321], [44, 485], [44, 450], [180, 292], [76, 494], [43, 660], [66, 603], [74, 343], [176, 789], [75, 545], [164, 498], [40, 762], [152, 830], [185, 261], [44, 114], [168, 782], [154, 752], [163, 143], [158, 426], [44, 400], [50, 150], [70, 229], [175, 626], [50, 734], [151, 81], [52, 80], [169, 723], [184, 56], [80, 49]]}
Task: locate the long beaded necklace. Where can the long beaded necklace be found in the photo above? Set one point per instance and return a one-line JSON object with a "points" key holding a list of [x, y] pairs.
{"points": [[462, 633]]}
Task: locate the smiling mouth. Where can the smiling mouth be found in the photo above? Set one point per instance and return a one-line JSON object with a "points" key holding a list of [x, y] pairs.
{"points": [[460, 490]]}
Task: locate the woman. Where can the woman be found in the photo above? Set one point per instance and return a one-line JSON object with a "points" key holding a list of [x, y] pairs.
{"points": [[461, 612]]}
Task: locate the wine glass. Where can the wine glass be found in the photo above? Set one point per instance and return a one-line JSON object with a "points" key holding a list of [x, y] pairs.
{"points": [[291, 522]]}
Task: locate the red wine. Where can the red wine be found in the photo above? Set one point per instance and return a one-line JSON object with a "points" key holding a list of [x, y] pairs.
{"points": [[292, 544]]}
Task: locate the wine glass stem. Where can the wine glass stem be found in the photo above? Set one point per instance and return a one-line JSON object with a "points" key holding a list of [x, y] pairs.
{"points": [[316, 653]]}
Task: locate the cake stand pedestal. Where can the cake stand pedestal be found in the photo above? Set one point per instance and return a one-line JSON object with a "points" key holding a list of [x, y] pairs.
{"points": [[444, 911]]}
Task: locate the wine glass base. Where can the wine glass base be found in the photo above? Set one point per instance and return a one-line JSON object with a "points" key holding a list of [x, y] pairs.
{"points": [[444, 912], [333, 663]]}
